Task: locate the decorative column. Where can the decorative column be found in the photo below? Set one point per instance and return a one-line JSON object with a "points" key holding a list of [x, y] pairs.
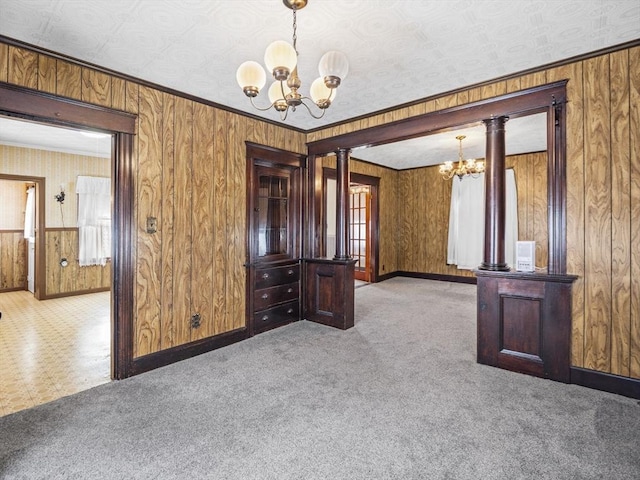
{"points": [[495, 197], [342, 205]]}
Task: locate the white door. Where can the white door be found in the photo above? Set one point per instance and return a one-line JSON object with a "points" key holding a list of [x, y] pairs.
{"points": [[31, 262]]}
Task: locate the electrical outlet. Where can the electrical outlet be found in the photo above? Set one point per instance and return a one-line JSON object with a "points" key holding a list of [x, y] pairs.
{"points": [[152, 224]]}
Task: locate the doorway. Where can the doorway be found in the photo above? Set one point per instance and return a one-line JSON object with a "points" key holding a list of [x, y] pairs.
{"points": [[56, 322], [363, 222]]}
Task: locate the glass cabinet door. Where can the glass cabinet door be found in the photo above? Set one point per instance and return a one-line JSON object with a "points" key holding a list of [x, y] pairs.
{"points": [[273, 215]]}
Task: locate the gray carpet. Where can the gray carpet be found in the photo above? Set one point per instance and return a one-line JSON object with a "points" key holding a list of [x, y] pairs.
{"points": [[399, 396]]}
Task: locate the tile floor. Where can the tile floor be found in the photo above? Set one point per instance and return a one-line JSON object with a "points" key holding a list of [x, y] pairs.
{"points": [[51, 348]]}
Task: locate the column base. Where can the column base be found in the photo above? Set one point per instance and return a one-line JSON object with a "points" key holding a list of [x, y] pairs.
{"points": [[494, 267]]}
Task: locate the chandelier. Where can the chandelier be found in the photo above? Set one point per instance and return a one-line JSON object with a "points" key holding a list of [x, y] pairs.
{"points": [[463, 167], [281, 59]]}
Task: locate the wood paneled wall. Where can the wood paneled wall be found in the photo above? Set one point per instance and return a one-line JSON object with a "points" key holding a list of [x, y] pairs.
{"points": [[531, 182], [13, 260], [72, 279], [423, 214], [190, 174], [603, 198]]}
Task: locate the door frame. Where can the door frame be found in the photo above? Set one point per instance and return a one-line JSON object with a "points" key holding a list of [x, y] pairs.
{"points": [[40, 253], [374, 228], [35, 106]]}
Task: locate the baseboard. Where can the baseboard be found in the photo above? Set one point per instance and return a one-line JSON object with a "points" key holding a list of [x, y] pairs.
{"points": [[627, 387], [182, 352], [438, 276], [76, 293], [386, 276]]}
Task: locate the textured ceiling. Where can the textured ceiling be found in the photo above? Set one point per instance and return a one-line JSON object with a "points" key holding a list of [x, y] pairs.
{"points": [[399, 51]]}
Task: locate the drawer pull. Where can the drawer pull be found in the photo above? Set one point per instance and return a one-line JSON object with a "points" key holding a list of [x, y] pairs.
{"points": [[289, 290], [290, 271], [265, 318], [265, 296], [265, 275], [290, 311]]}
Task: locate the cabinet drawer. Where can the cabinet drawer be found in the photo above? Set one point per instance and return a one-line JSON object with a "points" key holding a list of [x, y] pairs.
{"points": [[268, 277], [267, 297], [275, 316]]}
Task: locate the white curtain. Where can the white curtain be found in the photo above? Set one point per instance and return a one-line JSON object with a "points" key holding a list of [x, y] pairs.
{"points": [[30, 214], [94, 220], [466, 221]]}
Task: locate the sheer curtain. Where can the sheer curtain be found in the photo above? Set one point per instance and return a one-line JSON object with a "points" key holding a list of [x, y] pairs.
{"points": [[466, 221], [30, 214], [94, 220]]}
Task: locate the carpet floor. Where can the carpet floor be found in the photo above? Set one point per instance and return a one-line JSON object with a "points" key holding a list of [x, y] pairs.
{"points": [[399, 396]]}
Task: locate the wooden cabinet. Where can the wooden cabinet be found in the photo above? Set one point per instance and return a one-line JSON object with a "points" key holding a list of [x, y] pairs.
{"points": [[276, 297], [273, 237], [524, 322]]}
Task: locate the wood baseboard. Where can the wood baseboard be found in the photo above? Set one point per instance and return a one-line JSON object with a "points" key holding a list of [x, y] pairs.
{"points": [[75, 293], [438, 276], [625, 386], [182, 352]]}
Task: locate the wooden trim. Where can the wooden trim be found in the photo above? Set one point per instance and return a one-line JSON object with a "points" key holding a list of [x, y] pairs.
{"points": [[40, 284], [77, 292], [61, 229], [375, 215], [504, 78], [49, 109], [13, 289], [32, 104], [10, 230], [123, 245], [433, 276], [625, 386], [140, 82], [513, 105], [182, 352]]}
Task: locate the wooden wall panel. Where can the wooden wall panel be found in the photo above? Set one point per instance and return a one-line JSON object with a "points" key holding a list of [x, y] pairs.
{"points": [[96, 87], [72, 279], [4, 62], [149, 199], [634, 165], [221, 314], [46, 74], [167, 223], [237, 182], [13, 262], [182, 225], [620, 213], [68, 80], [203, 211], [23, 67], [598, 215]]}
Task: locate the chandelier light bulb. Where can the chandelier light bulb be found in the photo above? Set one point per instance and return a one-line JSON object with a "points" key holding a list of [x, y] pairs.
{"points": [[280, 59], [251, 78], [334, 64], [321, 94], [275, 95]]}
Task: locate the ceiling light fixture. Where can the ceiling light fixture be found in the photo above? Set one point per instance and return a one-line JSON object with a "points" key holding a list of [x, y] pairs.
{"points": [[281, 59], [463, 167]]}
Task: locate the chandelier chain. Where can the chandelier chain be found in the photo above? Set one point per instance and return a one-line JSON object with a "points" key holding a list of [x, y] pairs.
{"points": [[295, 29]]}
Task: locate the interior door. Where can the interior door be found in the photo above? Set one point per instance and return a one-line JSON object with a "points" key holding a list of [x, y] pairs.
{"points": [[360, 235]]}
